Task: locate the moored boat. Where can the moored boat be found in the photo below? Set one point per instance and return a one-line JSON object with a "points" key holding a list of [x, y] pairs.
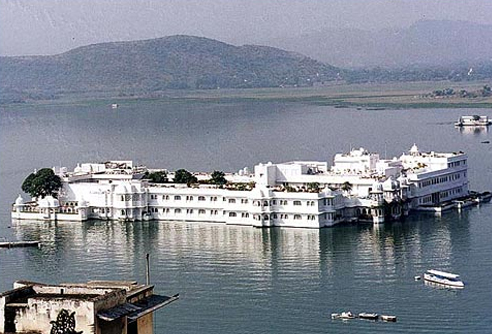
{"points": [[460, 204], [391, 318], [484, 197], [347, 315], [21, 243], [444, 278], [473, 120], [369, 316]]}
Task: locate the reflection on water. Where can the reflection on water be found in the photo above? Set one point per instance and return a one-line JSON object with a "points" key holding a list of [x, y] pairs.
{"points": [[381, 246], [473, 130], [215, 267], [263, 273]]}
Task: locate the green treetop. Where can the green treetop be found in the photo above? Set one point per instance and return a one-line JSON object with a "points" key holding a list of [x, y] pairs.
{"points": [[158, 177], [42, 183], [183, 176], [218, 178]]}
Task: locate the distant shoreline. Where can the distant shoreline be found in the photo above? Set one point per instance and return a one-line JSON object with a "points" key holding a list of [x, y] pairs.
{"points": [[406, 95]]}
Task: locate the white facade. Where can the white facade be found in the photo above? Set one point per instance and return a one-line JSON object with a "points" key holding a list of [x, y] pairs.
{"points": [[359, 186]]}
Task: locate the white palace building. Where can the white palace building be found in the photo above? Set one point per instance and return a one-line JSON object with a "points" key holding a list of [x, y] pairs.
{"points": [[358, 187]]}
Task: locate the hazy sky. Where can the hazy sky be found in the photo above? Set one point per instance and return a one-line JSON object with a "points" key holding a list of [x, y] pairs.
{"points": [[30, 27]]}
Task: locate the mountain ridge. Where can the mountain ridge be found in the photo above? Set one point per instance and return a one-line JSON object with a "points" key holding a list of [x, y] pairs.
{"points": [[172, 62]]}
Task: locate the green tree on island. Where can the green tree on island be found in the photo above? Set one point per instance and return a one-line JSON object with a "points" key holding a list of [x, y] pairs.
{"points": [[158, 177], [346, 186], [218, 178], [42, 183], [183, 176]]}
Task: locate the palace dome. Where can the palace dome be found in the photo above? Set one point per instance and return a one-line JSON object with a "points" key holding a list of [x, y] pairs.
{"points": [[48, 202], [19, 200], [77, 169], [414, 150]]}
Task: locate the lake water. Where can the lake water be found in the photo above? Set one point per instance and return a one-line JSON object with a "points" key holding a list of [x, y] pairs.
{"points": [[245, 280]]}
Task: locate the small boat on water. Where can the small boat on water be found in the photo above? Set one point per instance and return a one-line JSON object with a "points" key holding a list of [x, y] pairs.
{"points": [[369, 316], [343, 315], [114, 105], [444, 278], [473, 120], [21, 243], [484, 197], [375, 108], [460, 204], [347, 315], [391, 318]]}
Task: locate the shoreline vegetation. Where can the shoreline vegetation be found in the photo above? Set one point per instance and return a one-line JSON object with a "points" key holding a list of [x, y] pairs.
{"points": [[371, 96]]}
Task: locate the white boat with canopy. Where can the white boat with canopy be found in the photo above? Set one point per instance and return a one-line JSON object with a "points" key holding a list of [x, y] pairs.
{"points": [[444, 278]]}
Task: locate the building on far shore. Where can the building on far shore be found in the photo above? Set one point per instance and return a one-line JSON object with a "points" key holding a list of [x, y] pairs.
{"points": [[99, 307], [358, 187]]}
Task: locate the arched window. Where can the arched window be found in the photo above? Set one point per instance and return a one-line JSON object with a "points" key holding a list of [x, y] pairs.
{"points": [[232, 214], [297, 217], [201, 198], [123, 212], [177, 198], [201, 212], [297, 202], [232, 200], [177, 210]]}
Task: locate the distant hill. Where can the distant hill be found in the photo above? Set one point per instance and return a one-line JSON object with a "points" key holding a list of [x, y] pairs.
{"points": [[425, 43], [176, 62]]}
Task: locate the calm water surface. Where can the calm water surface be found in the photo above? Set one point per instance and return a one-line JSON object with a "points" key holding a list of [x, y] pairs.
{"points": [[245, 280]]}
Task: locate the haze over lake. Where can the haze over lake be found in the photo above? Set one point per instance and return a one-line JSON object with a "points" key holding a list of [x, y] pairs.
{"points": [[242, 279]]}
